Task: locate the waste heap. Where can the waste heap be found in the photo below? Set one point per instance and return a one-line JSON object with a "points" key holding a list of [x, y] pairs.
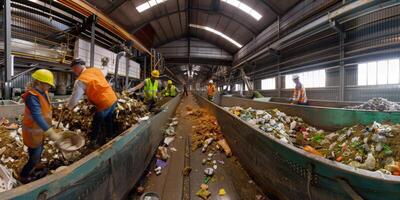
{"points": [[14, 154], [207, 136], [375, 147], [380, 104], [127, 113]]}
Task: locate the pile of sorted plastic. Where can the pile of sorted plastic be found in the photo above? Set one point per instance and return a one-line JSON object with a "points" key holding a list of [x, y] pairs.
{"points": [[375, 147], [128, 112], [379, 104]]}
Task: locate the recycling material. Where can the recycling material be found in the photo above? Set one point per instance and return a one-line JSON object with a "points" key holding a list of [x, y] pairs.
{"points": [[75, 126], [128, 112], [379, 104], [375, 147]]}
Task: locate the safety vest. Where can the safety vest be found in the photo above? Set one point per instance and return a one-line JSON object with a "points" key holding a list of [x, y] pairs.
{"points": [[98, 91], [299, 94], [150, 89], [32, 134], [170, 92], [210, 90]]}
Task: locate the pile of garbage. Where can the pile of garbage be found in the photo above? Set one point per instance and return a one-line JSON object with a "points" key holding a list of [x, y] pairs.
{"points": [[207, 136], [206, 132], [375, 147], [380, 104], [128, 112], [14, 154]]}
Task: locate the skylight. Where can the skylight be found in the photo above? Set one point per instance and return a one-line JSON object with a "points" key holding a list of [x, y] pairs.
{"points": [[148, 4], [216, 32], [245, 8]]}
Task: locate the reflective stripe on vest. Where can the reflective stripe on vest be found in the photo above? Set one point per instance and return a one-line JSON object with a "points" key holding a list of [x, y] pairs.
{"points": [[98, 91], [32, 134], [150, 89]]}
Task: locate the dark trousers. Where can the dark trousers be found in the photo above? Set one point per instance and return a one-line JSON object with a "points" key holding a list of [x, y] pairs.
{"points": [[104, 119], [185, 92], [34, 157]]}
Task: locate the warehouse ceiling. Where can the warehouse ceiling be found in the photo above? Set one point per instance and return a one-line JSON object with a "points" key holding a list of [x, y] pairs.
{"points": [[227, 24]]}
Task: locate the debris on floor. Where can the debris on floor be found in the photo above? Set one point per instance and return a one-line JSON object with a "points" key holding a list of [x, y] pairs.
{"points": [[380, 104], [375, 147], [186, 171]]}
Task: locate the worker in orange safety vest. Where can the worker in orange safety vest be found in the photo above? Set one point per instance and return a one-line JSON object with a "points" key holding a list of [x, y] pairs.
{"points": [[36, 123], [299, 92], [211, 90], [92, 82]]}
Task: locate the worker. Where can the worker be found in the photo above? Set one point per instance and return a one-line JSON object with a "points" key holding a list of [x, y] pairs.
{"points": [[36, 123], [92, 82], [151, 87], [299, 93], [210, 90], [185, 92], [170, 90]]}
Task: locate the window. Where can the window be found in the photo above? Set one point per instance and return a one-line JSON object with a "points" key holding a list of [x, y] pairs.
{"points": [[379, 72], [227, 87], [312, 79], [148, 4], [238, 87], [245, 8], [217, 33], [268, 84]]}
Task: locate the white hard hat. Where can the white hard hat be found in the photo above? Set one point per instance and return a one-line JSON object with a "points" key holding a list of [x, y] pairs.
{"points": [[211, 81], [294, 77]]}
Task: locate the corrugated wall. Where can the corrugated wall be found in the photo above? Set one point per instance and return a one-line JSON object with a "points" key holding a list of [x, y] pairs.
{"points": [[370, 36]]}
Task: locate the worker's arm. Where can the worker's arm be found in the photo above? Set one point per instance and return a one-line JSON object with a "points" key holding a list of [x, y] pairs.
{"points": [[77, 94], [36, 111], [137, 87]]}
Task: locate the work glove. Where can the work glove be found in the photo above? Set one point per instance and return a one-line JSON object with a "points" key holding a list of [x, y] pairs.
{"points": [[51, 133]]}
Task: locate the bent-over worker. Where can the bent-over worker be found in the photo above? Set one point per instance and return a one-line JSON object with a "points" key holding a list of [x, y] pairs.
{"points": [[36, 123], [211, 90], [92, 82], [152, 86], [299, 92], [170, 90]]}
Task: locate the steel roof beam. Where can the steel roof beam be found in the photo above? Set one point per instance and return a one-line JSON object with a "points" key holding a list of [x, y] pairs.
{"points": [[136, 28], [274, 9], [116, 4]]}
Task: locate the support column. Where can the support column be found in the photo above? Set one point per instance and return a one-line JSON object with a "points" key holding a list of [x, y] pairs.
{"points": [[341, 72], [92, 40], [7, 48]]}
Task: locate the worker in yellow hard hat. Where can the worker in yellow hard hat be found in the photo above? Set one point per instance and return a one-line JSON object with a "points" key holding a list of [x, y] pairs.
{"points": [[151, 86], [170, 90], [36, 123]]}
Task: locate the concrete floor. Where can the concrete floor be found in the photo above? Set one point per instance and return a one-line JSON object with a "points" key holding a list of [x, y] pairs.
{"points": [[172, 185]]}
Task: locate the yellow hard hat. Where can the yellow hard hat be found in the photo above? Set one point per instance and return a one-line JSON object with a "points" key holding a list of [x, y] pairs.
{"points": [[155, 73], [44, 75], [169, 82]]}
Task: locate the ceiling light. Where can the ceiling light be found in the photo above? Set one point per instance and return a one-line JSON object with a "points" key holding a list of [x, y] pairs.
{"points": [[148, 4], [216, 32], [245, 8]]}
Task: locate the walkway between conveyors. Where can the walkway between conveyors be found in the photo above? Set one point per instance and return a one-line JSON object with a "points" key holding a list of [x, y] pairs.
{"points": [[171, 184]]}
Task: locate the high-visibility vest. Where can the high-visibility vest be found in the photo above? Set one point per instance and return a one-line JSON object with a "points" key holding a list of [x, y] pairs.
{"points": [[210, 90], [170, 91], [32, 134], [300, 95], [98, 91], [150, 89]]}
